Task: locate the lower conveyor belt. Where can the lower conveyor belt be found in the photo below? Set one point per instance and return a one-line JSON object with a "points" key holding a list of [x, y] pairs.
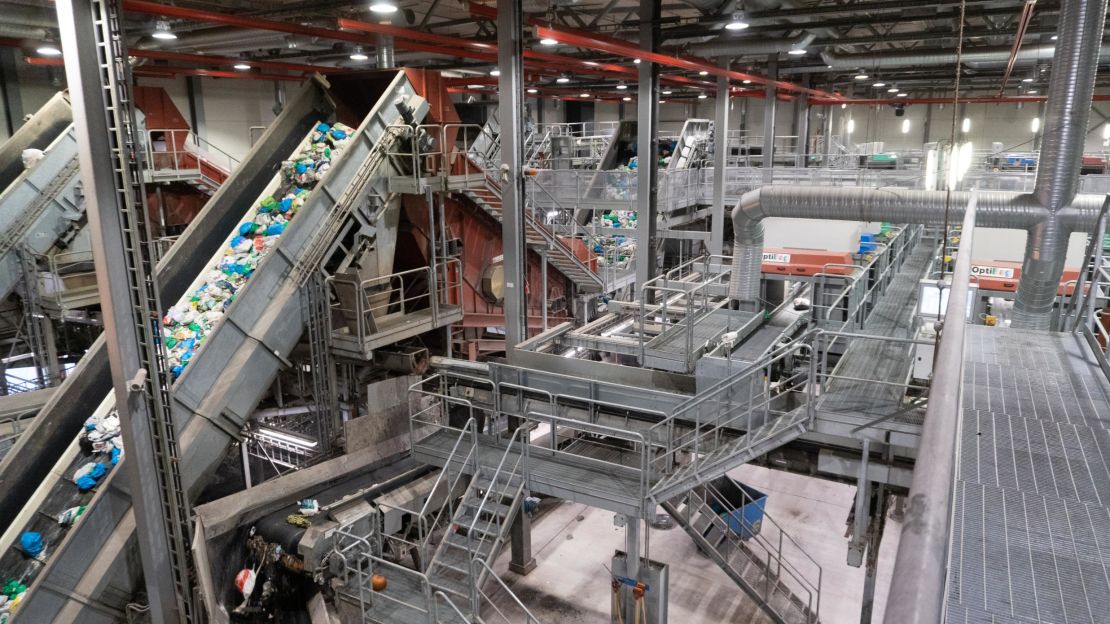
{"points": [[874, 360], [1031, 516], [212, 398]]}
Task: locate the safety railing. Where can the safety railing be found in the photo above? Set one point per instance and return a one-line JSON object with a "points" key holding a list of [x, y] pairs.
{"points": [[1090, 307], [369, 304], [11, 428], [180, 151], [862, 284], [680, 298], [359, 558], [743, 402], [782, 566], [488, 604]]}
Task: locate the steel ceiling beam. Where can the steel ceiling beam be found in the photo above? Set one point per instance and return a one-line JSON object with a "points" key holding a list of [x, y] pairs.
{"points": [[993, 99], [602, 43]]}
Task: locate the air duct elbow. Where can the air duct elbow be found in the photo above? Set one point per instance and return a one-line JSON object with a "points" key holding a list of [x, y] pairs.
{"points": [[747, 252]]}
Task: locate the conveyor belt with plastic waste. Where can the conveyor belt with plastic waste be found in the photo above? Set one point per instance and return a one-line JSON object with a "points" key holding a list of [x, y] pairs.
{"points": [[87, 574]]}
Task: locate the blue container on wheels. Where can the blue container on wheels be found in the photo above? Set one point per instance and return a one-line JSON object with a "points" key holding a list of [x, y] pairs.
{"points": [[740, 506]]}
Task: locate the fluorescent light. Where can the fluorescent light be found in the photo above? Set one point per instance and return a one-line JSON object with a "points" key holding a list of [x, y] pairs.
{"points": [[562, 80], [861, 76], [162, 31], [495, 73], [384, 7], [902, 95], [851, 126], [533, 91], [622, 87], [667, 92], [1035, 125], [702, 96], [242, 66], [965, 125], [703, 73], [359, 55], [584, 95], [738, 22], [879, 84], [905, 126], [892, 90], [474, 86], [796, 51], [48, 49], [626, 99]]}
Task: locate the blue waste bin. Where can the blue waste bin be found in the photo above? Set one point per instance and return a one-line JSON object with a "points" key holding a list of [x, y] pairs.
{"points": [[740, 506]]}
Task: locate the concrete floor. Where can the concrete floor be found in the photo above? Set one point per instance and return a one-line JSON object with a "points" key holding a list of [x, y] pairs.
{"points": [[573, 545]]}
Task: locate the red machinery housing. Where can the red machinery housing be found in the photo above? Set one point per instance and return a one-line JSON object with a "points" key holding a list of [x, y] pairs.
{"points": [[1003, 276], [805, 262]]}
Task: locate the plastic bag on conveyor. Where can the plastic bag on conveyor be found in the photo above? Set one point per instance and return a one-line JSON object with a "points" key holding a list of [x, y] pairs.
{"points": [[187, 325]]}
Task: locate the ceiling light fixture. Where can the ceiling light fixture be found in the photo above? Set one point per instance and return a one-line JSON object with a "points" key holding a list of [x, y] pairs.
{"points": [[162, 31], [702, 96], [49, 49], [861, 76], [533, 91], [902, 95], [738, 22], [796, 51], [1027, 80], [359, 55], [586, 95], [548, 41], [1054, 37], [879, 84], [667, 92], [636, 61], [626, 99], [1032, 92], [383, 7], [892, 90], [621, 87], [703, 73], [662, 101], [242, 66], [562, 79], [747, 82], [495, 73]]}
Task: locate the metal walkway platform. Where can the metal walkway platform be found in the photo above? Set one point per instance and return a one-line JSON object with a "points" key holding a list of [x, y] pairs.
{"points": [[675, 349], [1031, 521], [879, 361]]}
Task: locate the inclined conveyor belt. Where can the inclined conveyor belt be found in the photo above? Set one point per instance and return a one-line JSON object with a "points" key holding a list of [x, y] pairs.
{"points": [[89, 572]]}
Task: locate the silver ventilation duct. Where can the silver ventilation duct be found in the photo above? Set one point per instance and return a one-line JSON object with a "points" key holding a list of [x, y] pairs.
{"points": [[1070, 89], [970, 57], [746, 47], [1050, 214]]}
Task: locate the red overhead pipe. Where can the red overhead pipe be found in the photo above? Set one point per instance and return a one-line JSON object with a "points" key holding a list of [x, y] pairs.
{"points": [[1019, 37], [602, 43]]}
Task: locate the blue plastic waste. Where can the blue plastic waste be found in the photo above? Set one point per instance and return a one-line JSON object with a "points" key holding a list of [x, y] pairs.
{"points": [[286, 204], [86, 483], [115, 456], [275, 229], [32, 543]]}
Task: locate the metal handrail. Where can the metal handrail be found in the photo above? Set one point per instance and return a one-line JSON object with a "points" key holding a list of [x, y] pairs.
{"points": [[440, 595], [487, 570]]}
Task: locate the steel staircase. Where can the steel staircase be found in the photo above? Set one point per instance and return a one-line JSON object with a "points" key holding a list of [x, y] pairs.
{"points": [[540, 238], [788, 590], [477, 532]]}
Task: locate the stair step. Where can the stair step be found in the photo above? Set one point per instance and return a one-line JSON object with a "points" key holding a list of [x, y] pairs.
{"points": [[483, 527], [475, 547], [490, 507]]}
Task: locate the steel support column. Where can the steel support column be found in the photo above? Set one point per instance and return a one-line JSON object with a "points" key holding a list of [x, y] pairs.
{"points": [[720, 154], [647, 140], [521, 560], [801, 124], [770, 109], [100, 120], [632, 554], [9, 90], [510, 41]]}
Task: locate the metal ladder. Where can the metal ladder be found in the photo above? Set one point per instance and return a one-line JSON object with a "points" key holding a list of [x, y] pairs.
{"points": [[789, 592], [145, 306], [478, 528], [539, 238]]}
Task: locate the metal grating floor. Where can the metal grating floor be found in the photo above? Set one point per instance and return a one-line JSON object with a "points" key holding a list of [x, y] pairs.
{"points": [[1031, 517], [880, 361]]}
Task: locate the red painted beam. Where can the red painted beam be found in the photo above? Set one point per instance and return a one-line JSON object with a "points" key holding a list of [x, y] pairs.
{"points": [[611, 45]]}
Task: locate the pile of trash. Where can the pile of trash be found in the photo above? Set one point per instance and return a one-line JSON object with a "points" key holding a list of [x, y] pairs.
{"points": [[616, 250], [186, 325], [10, 594]]}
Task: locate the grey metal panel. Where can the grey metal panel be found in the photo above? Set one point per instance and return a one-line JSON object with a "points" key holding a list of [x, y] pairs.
{"points": [[25, 465]]}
